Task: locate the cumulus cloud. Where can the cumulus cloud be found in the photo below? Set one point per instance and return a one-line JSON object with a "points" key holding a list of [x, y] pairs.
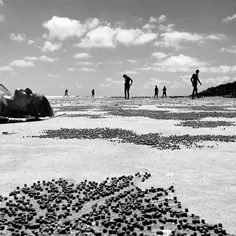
{"points": [[159, 55], [102, 36], [31, 41], [219, 69], [2, 3], [63, 27], [30, 58], [17, 37], [217, 80], [161, 19], [155, 81], [105, 85], [22, 63], [130, 37], [229, 18], [6, 68], [47, 59], [181, 61], [217, 37], [109, 79], [51, 47], [54, 75], [132, 61], [131, 72], [174, 38], [86, 63], [82, 69], [82, 55], [2, 18], [229, 50]]}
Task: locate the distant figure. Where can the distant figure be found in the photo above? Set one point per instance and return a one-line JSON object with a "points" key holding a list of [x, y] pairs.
{"points": [[156, 90], [195, 80], [128, 83], [93, 93], [164, 92], [66, 93]]}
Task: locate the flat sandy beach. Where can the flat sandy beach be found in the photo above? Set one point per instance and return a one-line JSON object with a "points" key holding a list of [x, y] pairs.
{"points": [[199, 160]]}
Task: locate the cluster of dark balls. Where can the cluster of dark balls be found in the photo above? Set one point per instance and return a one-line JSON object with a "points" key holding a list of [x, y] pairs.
{"points": [[116, 206], [166, 115], [204, 124], [154, 140]]}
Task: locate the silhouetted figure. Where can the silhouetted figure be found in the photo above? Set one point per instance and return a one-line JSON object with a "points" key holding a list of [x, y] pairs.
{"points": [[128, 83], [93, 93], [66, 93], [195, 80], [164, 92], [156, 91]]}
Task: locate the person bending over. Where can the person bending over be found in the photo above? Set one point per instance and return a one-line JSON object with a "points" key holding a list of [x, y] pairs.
{"points": [[128, 83], [23, 103]]}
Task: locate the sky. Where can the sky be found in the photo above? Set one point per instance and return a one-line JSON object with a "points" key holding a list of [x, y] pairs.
{"points": [[80, 45]]}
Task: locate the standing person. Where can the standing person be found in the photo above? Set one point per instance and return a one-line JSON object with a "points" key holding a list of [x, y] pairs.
{"points": [[164, 92], [195, 80], [66, 93], [128, 83], [93, 93], [156, 90]]}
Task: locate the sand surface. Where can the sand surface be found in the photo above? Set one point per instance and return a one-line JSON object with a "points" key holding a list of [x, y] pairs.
{"points": [[204, 179]]}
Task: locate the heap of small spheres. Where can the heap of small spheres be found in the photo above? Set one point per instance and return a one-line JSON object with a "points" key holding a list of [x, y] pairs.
{"points": [[155, 140], [116, 206]]}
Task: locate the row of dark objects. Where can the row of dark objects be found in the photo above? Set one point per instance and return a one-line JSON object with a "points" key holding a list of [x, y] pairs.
{"points": [[116, 206], [204, 124], [167, 115], [154, 140]]}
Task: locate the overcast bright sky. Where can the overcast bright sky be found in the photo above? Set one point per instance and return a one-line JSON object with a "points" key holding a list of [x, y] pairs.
{"points": [[51, 45]]}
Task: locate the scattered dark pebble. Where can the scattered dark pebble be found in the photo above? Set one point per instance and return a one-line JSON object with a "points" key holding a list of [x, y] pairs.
{"points": [[116, 206], [154, 140]]}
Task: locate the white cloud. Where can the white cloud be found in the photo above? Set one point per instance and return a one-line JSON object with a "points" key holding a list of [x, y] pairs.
{"points": [[51, 47], [181, 61], [108, 79], [71, 69], [85, 69], [132, 72], [130, 37], [86, 63], [159, 55], [29, 58], [229, 50], [31, 41], [161, 19], [5, 68], [216, 80], [218, 37], [82, 55], [2, 3], [2, 18], [132, 61], [63, 28], [18, 38], [174, 38], [229, 18], [47, 59], [219, 69], [155, 81], [21, 63], [102, 36], [82, 69], [105, 85], [54, 75]]}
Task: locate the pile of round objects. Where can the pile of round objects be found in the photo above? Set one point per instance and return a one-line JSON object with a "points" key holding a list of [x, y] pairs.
{"points": [[204, 124], [116, 206], [154, 140]]}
